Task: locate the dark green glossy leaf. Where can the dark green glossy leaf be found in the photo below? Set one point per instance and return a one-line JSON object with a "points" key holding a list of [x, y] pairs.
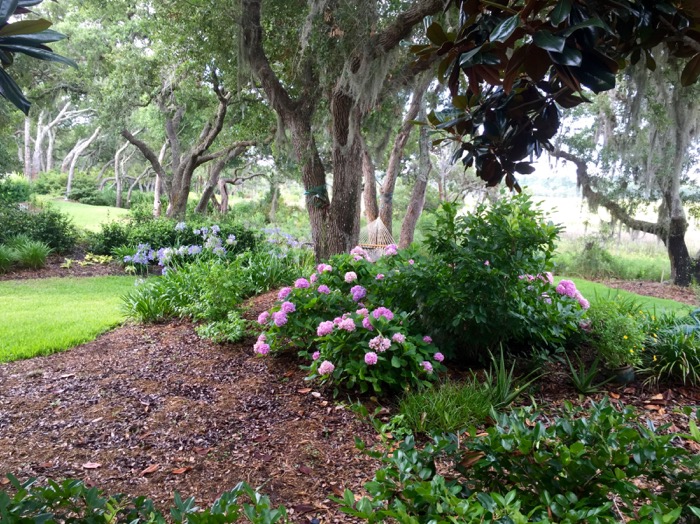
{"points": [[24, 27], [549, 42], [524, 168], [569, 57], [691, 71], [10, 90], [43, 37], [7, 7], [41, 54], [591, 22], [503, 30], [436, 34], [666, 8], [560, 12]]}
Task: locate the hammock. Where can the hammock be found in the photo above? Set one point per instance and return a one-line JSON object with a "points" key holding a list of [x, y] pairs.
{"points": [[375, 237]]}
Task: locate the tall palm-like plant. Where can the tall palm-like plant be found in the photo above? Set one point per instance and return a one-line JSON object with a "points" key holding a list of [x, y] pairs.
{"points": [[28, 37]]}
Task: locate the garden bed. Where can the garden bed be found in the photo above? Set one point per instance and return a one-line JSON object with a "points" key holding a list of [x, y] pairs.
{"points": [[152, 410], [54, 268]]}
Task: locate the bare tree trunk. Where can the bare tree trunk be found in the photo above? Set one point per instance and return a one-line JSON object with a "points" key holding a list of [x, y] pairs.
{"points": [[118, 167], [49, 150], [79, 149], [38, 145], [215, 173], [415, 205], [157, 186], [223, 191], [386, 208], [27, 148], [137, 181], [274, 199]]}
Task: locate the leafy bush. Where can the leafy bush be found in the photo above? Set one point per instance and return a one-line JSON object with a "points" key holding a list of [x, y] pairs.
{"points": [[13, 189], [7, 258], [71, 501], [31, 253], [596, 465], [111, 236], [616, 330], [672, 349], [47, 225], [233, 329], [147, 303], [447, 407]]}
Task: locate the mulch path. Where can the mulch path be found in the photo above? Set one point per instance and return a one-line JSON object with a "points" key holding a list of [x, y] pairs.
{"points": [[685, 295], [148, 410], [53, 269]]}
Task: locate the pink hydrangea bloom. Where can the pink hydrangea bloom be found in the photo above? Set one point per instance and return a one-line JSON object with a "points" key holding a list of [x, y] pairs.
{"points": [[324, 328], [263, 317], [379, 343], [427, 366], [280, 318], [316, 355], [261, 348], [367, 324], [399, 338], [391, 249], [582, 301], [568, 288], [301, 283], [439, 356], [383, 312], [550, 278], [288, 307], [411, 261], [324, 289], [326, 368], [359, 253], [357, 258], [371, 358], [347, 324], [284, 293], [358, 293], [324, 268], [427, 339], [487, 263], [362, 312], [380, 276], [262, 337], [337, 320], [350, 276], [313, 278]]}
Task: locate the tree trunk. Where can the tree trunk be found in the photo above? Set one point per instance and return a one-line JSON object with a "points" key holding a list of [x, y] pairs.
{"points": [[223, 191], [157, 185], [386, 207], [274, 199], [27, 148], [49, 150], [370, 185], [78, 150], [117, 171], [415, 205], [38, 146]]}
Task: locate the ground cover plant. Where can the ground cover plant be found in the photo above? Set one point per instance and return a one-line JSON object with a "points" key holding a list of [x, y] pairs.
{"points": [[584, 466], [47, 315]]}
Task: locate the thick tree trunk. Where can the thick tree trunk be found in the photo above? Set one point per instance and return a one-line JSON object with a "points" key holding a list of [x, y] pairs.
{"points": [[223, 191], [415, 205]]}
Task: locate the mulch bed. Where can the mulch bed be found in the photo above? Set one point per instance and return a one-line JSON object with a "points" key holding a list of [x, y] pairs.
{"points": [[148, 410], [685, 295], [53, 269]]}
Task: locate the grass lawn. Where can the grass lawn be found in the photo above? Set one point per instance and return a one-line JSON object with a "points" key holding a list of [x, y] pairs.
{"points": [[43, 316], [591, 289], [84, 216]]}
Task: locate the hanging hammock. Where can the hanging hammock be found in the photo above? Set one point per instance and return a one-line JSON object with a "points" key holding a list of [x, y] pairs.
{"points": [[375, 237]]}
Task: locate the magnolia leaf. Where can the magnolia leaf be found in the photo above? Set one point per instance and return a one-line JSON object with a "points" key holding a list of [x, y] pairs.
{"points": [[24, 27], [560, 12], [10, 90], [549, 41], [436, 34], [503, 30], [691, 71]]}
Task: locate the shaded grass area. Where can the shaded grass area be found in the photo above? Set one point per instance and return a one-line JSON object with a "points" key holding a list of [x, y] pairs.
{"points": [[591, 290], [43, 316], [83, 215]]}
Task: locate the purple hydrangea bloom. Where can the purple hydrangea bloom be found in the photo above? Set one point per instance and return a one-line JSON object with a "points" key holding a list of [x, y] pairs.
{"points": [[427, 339], [427, 366], [263, 317], [383, 312], [261, 348], [301, 283], [567, 288], [399, 338], [316, 355], [367, 324], [358, 293], [284, 293], [313, 278], [380, 276], [288, 307], [325, 328], [280, 318], [391, 249], [324, 289], [439, 356], [347, 324], [371, 358]]}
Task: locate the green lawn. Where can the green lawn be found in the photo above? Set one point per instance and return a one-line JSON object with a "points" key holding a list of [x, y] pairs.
{"points": [[84, 216], [52, 314], [590, 289]]}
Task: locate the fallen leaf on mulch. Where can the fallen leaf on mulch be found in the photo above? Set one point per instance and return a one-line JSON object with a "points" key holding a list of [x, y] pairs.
{"points": [[201, 451], [92, 465], [46, 465], [180, 471], [4, 481], [303, 508], [306, 470], [304, 391], [338, 492], [150, 469]]}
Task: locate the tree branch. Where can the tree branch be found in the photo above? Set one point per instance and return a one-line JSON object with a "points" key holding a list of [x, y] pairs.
{"points": [[146, 151], [595, 198]]}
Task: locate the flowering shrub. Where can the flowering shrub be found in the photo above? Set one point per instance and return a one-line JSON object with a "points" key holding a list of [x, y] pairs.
{"points": [[616, 331]]}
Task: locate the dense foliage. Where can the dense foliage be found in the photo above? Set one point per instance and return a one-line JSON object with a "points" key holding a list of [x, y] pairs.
{"points": [[595, 465], [46, 225]]}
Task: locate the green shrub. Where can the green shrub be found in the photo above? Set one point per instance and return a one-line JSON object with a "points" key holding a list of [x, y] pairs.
{"points": [[147, 303], [594, 465], [616, 330], [47, 225], [31, 253], [233, 329], [7, 258], [672, 350], [13, 189], [447, 407], [111, 236], [71, 501]]}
